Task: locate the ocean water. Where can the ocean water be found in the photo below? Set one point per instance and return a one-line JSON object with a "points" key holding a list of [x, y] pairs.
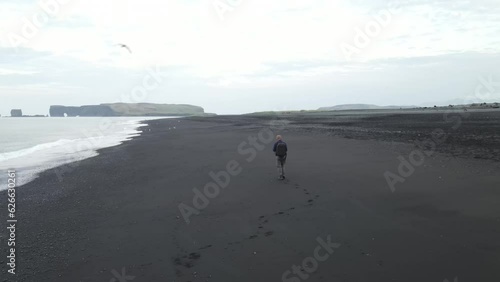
{"points": [[32, 145]]}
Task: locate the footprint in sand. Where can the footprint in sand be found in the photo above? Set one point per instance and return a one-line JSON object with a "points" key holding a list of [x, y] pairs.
{"points": [[268, 233], [186, 261], [206, 247]]}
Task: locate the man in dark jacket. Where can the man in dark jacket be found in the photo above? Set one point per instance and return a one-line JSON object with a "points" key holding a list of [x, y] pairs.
{"points": [[280, 149]]}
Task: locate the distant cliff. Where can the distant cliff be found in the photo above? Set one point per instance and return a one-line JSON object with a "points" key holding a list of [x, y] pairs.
{"points": [[83, 111], [145, 109], [362, 107], [16, 113], [19, 113], [123, 109]]}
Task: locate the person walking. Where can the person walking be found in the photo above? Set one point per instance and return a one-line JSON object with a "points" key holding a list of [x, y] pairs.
{"points": [[280, 149]]}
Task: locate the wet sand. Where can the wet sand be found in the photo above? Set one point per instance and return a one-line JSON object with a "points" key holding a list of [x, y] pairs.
{"points": [[116, 216]]}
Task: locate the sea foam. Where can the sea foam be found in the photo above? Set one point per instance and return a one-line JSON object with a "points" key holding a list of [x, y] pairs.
{"points": [[83, 143]]}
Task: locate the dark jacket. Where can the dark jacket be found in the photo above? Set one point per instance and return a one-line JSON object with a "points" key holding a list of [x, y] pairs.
{"points": [[276, 145]]}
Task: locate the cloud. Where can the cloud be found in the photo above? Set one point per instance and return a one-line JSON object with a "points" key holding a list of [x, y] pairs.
{"points": [[273, 47], [16, 72]]}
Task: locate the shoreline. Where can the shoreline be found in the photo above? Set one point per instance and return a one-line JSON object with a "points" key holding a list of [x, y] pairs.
{"points": [[69, 152], [120, 209]]}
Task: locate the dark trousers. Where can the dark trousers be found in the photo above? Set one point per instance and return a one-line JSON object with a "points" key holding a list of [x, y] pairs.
{"points": [[280, 164]]}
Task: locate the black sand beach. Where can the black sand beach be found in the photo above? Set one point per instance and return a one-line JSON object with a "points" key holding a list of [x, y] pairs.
{"points": [[115, 217]]}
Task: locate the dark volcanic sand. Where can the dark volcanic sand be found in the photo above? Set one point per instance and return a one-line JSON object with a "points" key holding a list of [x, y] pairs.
{"points": [[119, 210]]}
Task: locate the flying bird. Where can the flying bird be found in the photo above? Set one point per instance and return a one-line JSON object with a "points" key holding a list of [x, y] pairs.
{"points": [[124, 46]]}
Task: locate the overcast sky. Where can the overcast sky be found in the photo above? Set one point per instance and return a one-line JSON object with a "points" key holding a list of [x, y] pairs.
{"points": [[237, 56]]}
